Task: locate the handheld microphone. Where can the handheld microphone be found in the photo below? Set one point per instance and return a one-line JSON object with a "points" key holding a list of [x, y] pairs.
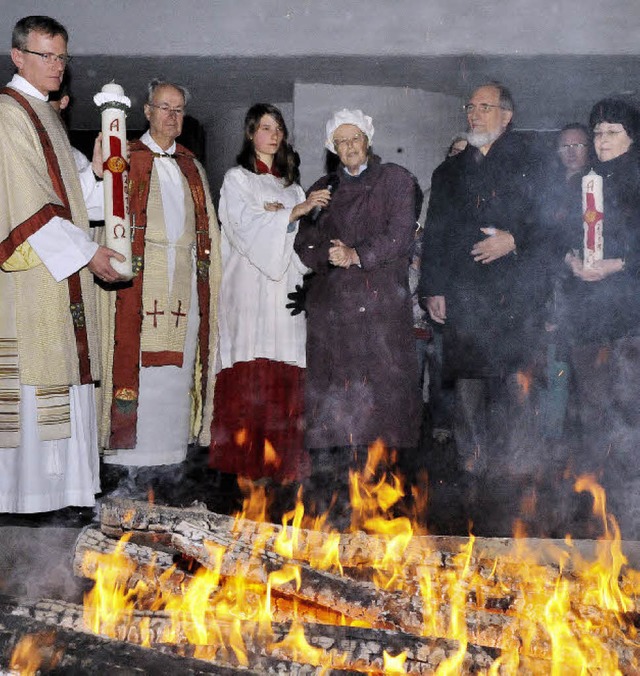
{"points": [[331, 186]]}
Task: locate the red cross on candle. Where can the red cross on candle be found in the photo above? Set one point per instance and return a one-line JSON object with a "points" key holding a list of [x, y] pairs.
{"points": [[117, 165], [591, 217], [178, 314], [155, 314]]}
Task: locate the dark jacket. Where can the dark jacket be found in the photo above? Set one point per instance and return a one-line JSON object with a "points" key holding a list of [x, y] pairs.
{"points": [[610, 308], [362, 375], [493, 310]]}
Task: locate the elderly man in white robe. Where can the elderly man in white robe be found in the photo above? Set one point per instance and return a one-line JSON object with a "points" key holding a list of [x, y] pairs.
{"points": [[49, 358], [158, 387]]}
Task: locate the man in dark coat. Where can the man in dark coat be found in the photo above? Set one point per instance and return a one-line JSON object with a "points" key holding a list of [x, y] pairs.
{"points": [[477, 280], [362, 377]]}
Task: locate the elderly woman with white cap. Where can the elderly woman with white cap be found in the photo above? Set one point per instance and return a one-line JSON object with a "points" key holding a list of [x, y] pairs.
{"points": [[361, 380]]}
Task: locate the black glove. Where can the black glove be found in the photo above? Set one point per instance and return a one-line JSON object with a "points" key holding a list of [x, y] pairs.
{"points": [[298, 297]]}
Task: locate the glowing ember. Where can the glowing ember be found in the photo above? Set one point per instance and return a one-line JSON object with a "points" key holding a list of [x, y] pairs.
{"points": [[524, 380], [33, 652], [394, 665], [271, 458]]}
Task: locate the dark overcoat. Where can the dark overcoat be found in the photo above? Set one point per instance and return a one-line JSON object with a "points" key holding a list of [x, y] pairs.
{"points": [[362, 373], [493, 310], [609, 309]]}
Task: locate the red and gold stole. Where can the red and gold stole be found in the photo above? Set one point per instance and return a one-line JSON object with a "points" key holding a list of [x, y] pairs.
{"points": [[20, 234], [128, 310]]}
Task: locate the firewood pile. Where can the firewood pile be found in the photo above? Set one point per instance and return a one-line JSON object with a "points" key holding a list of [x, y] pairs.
{"points": [[191, 591]]}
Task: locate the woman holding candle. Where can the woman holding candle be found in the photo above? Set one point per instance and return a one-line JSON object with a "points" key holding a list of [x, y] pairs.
{"points": [[603, 314], [257, 429]]}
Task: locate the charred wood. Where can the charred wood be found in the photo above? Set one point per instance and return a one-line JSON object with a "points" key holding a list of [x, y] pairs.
{"points": [[350, 648], [54, 649]]}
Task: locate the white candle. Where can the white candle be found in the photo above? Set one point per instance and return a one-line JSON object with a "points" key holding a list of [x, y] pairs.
{"points": [[113, 105], [592, 218], [113, 88]]}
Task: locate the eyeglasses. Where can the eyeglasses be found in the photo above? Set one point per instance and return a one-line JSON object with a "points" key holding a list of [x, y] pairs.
{"points": [[167, 110], [339, 142], [609, 133], [482, 107], [571, 146], [50, 57]]}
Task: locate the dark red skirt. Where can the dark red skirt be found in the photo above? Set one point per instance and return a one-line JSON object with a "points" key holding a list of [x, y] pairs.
{"points": [[258, 421]]}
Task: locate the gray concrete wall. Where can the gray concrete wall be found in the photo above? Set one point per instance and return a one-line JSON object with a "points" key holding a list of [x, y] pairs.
{"points": [[340, 27], [412, 128]]}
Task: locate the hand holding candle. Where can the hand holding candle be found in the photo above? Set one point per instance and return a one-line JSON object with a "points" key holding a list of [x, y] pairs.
{"points": [[113, 105]]}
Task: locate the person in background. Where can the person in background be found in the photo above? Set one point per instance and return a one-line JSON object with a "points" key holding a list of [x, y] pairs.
{"points": [[458, 144], [602, 317], [362, 376], [160, 329], [573, 149], [49, 352], [257, 430], [561, 206], [440, 393]]}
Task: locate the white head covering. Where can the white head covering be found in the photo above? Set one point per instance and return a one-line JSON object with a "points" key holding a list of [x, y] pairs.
{"points": [[346, 116]]}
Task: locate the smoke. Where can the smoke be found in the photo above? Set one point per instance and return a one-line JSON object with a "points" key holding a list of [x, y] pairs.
{"points": [[35, 563], [180, 484]]}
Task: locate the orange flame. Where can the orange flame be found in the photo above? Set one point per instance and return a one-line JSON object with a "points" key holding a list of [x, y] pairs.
{"points": [[271, 458], [34, 651], [546, 606]]}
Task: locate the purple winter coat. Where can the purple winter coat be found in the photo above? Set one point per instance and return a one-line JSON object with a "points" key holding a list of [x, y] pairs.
{"points": [[362, 374]]}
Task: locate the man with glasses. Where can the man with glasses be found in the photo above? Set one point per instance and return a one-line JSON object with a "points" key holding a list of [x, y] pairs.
{"points": [[573, 149], [475, 267], [157, 377], [49, 357]]}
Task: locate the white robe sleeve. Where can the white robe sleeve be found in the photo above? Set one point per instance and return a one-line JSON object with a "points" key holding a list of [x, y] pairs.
{"points": [[263, 237], [62, 247], [92, 190]]}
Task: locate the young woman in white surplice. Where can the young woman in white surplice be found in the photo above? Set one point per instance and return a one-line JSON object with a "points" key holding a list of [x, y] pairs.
{"points": [[257, 429]]}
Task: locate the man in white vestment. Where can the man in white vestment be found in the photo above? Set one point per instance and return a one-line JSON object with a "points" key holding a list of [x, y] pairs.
{"points": [[161, 327], [49, 357]]}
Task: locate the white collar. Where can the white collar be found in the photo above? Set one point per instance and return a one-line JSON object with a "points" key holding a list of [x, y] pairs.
{"points": [[360, 170], [24, 86], [147, 139]]}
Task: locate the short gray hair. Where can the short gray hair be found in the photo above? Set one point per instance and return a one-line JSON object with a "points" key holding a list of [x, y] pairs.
{"points": [[36, 24], [157, 84], [505, 98]]}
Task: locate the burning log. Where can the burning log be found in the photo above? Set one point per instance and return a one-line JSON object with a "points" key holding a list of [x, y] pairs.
{"points": [[486, 629], [497, 585], [499, 570], [248, 546], [118, 516], [157, 567], [153, 524], [354, 648], [30, 645], [361, 602]]}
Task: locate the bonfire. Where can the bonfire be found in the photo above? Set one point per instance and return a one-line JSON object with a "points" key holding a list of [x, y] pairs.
{"points": [[200, 592]]}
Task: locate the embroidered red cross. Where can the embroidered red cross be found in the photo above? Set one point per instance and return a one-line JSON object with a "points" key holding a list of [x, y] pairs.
{"points": [[591, 217], [155, 314], [178, 314]]}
